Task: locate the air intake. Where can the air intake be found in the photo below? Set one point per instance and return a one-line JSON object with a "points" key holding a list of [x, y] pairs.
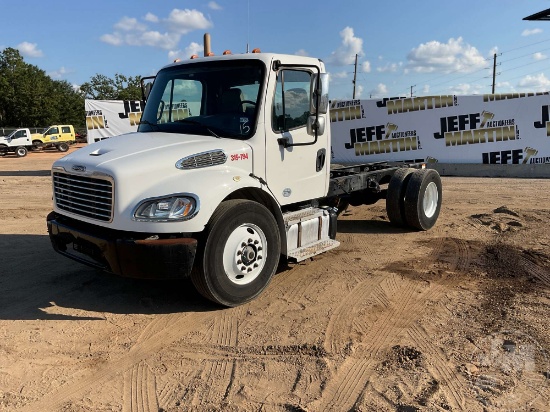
{"points": [[200, 160]]}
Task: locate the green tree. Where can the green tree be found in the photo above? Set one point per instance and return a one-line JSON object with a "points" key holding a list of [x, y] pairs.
{"points": [[30, 98], [101, 87]]}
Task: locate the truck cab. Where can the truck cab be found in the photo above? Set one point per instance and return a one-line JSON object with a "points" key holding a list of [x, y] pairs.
{"points": [[228, 171], [59, 136], [18, 141]]}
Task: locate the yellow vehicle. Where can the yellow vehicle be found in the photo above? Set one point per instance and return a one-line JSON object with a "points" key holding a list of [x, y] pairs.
{"points": [[59, 136]]}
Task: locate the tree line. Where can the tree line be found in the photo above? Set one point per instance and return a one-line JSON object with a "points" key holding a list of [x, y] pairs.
{"points": [[31, 98]]}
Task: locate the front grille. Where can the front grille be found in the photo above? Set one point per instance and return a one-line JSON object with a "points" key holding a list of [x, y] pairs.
{"points": [[205, 159], [85, 196]]}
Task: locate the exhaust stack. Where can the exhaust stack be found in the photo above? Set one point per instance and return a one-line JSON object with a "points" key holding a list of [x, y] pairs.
{"points": [[207, 49]]}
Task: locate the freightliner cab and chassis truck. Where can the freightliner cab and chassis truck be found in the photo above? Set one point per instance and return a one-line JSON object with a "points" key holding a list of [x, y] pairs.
{"points": [[228, 172]]}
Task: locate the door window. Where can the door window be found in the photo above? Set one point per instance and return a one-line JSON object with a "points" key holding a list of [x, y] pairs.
{"points": [[291, 102]]}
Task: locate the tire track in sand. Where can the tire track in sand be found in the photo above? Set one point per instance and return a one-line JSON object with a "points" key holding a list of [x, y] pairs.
{"points": [[404, 304], [445, 375], [111, 369], [218, 374], [140, 390], [351, 378]]}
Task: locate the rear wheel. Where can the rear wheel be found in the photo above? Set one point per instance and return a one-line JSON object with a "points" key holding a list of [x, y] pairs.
{"points": [[241, 253], [423, 199], [21, 151], [395, 198], [62, 147]]}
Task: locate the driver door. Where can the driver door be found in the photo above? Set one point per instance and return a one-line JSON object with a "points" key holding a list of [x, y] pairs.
{"points": [[295, 173]]}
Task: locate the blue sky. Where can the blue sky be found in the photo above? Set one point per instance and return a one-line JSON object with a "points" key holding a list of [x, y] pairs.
{"points": [[435, 46]]}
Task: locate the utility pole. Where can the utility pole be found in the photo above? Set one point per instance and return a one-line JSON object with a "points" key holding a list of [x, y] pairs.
{"points": [[354, 77], [414, 85], [494, 71]]}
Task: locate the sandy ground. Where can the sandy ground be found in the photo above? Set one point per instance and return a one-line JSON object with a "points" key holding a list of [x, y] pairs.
{"points": [[453, 319]]}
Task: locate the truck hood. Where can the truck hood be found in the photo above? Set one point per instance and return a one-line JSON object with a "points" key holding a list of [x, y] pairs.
{"points": [[143, 148]]}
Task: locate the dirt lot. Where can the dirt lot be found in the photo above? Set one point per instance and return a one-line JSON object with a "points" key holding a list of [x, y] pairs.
{"points": [[456, 318]]}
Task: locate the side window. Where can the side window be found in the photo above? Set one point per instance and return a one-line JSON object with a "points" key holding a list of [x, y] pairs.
{"points": [[291, 102], [20, 133], [53, 130], [181, 99], [65, 129]]}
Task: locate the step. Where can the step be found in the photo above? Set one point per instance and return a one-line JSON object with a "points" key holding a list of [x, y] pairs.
{"points": [[312, 249]]}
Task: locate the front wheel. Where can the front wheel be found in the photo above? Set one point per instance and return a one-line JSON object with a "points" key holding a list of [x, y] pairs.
{"points": [[241, 253]]}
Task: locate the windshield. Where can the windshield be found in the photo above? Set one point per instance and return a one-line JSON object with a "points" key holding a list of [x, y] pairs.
{"points": [[218, 98]]}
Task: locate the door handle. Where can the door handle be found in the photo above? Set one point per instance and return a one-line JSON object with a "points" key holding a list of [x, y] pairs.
{"points": [[321, 158]]}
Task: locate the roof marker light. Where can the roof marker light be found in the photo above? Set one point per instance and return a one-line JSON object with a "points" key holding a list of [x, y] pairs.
{"points": [[256, 50]]}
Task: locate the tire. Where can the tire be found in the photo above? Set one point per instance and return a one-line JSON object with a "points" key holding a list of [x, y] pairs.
{"points": [[241, 253], [3, 149], [62, 147], [423, 199], [395, 198], [21, 151]]}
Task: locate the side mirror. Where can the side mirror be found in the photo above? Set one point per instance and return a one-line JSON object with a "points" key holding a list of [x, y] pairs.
{"points": [[314, 124], [146, 86], [321, 93]]}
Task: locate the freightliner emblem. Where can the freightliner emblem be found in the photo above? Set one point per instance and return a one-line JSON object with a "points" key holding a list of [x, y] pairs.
{"points": [[78, 168]]}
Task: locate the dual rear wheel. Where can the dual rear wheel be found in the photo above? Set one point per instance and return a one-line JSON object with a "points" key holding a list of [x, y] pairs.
{"points": [[414, 198]]}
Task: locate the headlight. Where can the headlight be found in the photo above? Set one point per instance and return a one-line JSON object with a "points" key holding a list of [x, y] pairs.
{"points": [[167, 209]]}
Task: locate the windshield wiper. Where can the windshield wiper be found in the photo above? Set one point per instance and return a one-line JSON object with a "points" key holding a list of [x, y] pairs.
{"points": [[196, 122], [154, 126]]}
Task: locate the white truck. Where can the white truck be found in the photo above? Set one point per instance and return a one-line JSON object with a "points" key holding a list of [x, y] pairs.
{"points": [[228, 172], [18, 142]]}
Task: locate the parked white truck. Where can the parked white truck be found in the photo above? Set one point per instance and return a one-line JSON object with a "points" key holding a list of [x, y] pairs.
{"points": [[228, 172], [18, 142]]}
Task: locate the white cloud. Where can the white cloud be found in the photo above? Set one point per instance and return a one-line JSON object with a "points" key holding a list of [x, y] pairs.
{"points": [[380, 90], [151, 18], [365, 67], [155, 39], [130, 24], [340, 75], [466, 88], [453, 56], [536, 83], [358, 91], [351, 46], [130, 31], [185, 21], [426, 89], [302, 52], [214, 6], [193, 48], [58, 74], [29, 49], [539, 56], [112, 39], [531, 32], [389, 68]]}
